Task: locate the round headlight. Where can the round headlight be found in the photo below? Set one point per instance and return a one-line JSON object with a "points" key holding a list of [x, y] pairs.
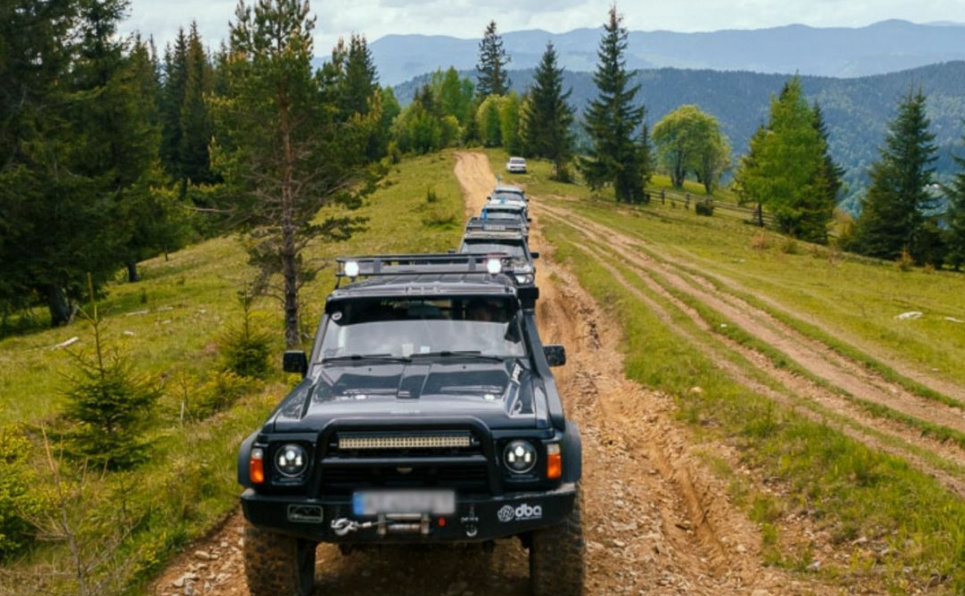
{"points": [[291, 460], [520, 457]]}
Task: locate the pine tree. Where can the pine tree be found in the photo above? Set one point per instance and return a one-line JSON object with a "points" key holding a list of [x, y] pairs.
{"points": [[491, 69], [955, 215], [195, 122], [547, 118], [617, 154], [360, 81], [81, 140], [833, 172], [893, 213], [284, 148], [172, 103]]}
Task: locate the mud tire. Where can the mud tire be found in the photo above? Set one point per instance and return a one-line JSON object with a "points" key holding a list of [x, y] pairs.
{"points": [[278, 565], [556, 556]]}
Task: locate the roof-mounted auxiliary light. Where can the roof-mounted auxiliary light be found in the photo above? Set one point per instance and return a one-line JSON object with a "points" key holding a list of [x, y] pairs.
{"points": [[494, 266], [352, 268]]}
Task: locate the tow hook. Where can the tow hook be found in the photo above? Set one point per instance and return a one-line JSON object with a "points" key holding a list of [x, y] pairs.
{"points": [[342, 526], [386, 524], [471, 523]]}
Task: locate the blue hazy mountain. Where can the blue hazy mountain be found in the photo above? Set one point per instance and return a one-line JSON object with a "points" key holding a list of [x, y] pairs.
{"points": [[884, 47]]}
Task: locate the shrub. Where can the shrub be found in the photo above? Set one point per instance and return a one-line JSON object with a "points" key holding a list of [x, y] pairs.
{"points": [[109, 405], [704, 207], [760, 241], [245, 349], [790, 246], [221, 391], [111, 408], [19, 501]]}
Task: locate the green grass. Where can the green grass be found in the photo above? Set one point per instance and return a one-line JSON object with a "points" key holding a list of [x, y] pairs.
{"points": [[842, 295], [845, 488], [170, 324]]}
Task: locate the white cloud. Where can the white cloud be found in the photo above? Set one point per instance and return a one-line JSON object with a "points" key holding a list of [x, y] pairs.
{"points": [[468, 18]]}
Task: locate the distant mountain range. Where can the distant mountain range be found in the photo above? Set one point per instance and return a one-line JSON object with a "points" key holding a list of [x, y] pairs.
{"points": [[884, 47]]}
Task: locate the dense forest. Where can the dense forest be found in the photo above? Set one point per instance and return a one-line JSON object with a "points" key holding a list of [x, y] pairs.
{"points": [[856, 110]]}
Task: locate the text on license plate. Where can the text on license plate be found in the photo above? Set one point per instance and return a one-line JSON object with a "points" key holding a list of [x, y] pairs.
{"points": [[374, 502]]}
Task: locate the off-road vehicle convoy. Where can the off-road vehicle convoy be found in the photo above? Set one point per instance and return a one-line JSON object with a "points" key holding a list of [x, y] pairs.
{"points": [[427, 414]]}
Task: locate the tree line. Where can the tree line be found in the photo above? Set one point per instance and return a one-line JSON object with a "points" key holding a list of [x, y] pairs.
{"points": [[112, 153]]}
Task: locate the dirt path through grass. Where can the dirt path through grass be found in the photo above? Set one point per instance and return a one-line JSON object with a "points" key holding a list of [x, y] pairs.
{"points": [[656, 521]]}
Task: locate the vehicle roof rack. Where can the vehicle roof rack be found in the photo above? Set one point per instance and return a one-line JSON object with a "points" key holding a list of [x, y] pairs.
{"points": [[499, 266], [420, 264]]}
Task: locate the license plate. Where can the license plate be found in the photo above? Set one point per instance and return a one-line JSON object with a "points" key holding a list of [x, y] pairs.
{"points": [[374, 502]]}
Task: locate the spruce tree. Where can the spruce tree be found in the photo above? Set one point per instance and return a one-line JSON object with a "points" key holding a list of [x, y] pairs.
{"points": [[194, 162], [172, 102], [955, 215], [618, 152], [491, 69], [547, 118], [893, 213]]}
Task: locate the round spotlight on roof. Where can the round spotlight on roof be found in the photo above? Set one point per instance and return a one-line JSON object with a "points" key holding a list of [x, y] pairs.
{"points": [[494, 266], [352, 268]]}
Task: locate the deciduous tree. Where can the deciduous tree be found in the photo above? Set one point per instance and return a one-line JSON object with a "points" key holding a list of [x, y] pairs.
{"points": [[786, 168]]}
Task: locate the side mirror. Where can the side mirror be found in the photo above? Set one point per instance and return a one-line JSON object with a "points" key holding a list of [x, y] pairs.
{"points": [[295, 361], [534, 254], [555, 355]]}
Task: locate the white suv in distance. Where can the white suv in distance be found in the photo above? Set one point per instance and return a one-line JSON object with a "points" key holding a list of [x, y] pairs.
{"points": [[516, 165]]}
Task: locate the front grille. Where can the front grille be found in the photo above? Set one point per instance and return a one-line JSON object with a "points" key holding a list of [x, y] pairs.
{"points": [[471, 479]]}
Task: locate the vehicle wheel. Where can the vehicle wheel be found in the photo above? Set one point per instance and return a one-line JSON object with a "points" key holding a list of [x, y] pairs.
{"points": [[278, 565], [556, 565]]}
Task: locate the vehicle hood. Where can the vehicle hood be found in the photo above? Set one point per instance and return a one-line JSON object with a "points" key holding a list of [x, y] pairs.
{"points": [[502, 394]]}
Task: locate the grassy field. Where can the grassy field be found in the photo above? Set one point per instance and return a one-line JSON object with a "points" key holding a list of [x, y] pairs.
{"points": [[170, 325], [811, 469]]}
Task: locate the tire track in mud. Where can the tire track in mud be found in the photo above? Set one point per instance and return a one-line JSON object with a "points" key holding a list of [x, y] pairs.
{"points": [[673, 523], [798, 392], [656, 522]]}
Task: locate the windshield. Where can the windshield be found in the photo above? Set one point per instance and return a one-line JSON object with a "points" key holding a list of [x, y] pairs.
{"points": [[408, 328], [486, 247]]}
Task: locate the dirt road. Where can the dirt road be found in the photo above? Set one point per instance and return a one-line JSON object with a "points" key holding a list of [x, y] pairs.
{"points": [[656, 521]]}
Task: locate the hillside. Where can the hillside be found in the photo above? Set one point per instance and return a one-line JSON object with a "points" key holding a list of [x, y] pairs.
{"points": [[879, 48], [744, 431], [856, 110]]}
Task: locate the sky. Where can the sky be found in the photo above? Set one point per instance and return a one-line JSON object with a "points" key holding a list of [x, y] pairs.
{"points": [[468, 18]]}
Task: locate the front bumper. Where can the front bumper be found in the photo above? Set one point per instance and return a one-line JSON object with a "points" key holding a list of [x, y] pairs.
{"points": [[476, 518]]}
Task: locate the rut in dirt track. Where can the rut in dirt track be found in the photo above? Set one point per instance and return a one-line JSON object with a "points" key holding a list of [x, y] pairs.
{"points": [[846, 383]]}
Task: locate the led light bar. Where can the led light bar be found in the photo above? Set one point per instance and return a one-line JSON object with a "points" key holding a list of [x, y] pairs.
{"points": [[420, 441]]}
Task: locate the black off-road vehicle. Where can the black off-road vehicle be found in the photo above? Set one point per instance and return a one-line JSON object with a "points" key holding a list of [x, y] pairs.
{"points": [[428, 414], [488, 237]]}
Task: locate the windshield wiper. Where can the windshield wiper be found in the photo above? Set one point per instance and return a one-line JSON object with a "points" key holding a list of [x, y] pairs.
{"points": [[365, 357], [461, 354]]}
